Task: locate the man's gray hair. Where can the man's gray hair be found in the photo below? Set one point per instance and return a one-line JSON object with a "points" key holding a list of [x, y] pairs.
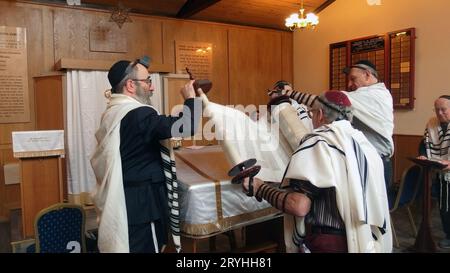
{"points": [[121, 84]]}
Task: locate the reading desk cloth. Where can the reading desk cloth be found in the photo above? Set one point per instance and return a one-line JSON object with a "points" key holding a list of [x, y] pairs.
{"points": [[209, 203]]}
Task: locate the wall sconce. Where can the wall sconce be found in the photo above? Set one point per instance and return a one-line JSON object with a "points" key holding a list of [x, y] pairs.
{"points": [[373, 2]]}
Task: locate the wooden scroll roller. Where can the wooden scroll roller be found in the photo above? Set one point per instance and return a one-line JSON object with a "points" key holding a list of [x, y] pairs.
{"points": [[204, 84], [243, 170]]}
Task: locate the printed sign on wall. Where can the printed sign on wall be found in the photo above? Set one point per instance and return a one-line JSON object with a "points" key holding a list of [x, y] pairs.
{"points": [[196, 56], [14, 100]]}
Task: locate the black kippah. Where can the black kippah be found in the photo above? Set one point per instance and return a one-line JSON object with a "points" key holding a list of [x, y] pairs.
{"points": [[280, 84], [117, 73]]}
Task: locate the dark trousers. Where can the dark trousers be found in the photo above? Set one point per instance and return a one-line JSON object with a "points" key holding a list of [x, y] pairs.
{"points": [[387, 164], [445, 214], [141, 237], [326, 243]]}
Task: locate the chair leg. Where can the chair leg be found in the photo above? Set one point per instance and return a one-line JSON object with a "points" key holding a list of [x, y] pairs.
{"points": [[394, 234], [411, 220]]}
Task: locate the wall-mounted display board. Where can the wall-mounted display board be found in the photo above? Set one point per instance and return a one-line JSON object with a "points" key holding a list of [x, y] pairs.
{"points": [[14, 100], [393, 56], [196, 56]]}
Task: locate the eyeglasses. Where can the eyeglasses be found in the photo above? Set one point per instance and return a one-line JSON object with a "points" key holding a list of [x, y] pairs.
{"points": [[311, 112], [442, 110], [148, 80]]}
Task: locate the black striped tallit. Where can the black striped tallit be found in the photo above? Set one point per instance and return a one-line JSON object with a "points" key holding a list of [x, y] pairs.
{"points": [[438, 146], [361, 160], [170, 172], [302, 98]]}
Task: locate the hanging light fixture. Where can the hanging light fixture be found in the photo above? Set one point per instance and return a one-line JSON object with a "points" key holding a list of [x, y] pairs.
{"points": [[300, 21]]}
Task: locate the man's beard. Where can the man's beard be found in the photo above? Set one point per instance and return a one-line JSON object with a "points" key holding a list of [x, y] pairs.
{"points": [[142, 96]]}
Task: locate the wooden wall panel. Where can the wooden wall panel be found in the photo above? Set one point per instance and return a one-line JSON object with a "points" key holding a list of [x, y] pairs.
{"points": [[254, 64], [49, 103], [30, 18], [9, 194], [72, 29], [175, 30], [39, 56], [405, 146], [287, 51]]}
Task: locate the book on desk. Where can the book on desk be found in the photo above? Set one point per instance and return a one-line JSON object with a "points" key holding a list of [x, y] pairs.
{"points": [[429, 162]]}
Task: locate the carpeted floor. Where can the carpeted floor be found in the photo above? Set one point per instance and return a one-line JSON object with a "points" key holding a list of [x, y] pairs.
{"points": [[11, 231]]}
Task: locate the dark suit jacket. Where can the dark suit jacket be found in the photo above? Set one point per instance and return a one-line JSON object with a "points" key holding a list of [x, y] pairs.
{"points": [[143, 176]]}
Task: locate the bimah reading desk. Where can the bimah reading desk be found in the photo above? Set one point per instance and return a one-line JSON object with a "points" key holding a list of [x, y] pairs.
{"points": [[40, 155], [210, 204], [424, 240]]}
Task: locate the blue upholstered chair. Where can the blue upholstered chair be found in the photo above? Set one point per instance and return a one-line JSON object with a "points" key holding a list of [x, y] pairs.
{"points": [[406, 195], [60, 228]]}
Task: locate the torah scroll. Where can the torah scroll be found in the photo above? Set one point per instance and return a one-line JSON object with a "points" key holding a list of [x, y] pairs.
{"points": [[270, 141]]}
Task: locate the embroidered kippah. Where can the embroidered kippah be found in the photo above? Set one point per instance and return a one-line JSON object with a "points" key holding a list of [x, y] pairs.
{"points": [[338, 98]]}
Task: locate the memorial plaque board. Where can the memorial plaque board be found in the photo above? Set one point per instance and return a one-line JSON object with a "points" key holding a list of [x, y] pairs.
{"points": [[14, 100], [393, 56]]}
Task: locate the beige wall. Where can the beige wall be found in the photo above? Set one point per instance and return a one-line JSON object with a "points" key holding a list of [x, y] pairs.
{"points": [[349, 19]]}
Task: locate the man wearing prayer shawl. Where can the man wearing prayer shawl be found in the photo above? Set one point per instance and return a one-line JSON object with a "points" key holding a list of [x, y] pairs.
{"points": [[373, 112], [331, 190], [136, 189], [437, 146]]}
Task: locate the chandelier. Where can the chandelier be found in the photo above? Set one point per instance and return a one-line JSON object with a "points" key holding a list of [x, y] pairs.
{"points": [[300, 21]]}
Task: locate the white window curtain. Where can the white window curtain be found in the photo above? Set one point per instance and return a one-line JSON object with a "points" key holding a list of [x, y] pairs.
{"points": [[85, 103], [157, 98]]}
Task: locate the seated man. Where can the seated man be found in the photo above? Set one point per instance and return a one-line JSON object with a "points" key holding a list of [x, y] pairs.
{"points": [[334, 183], [436, 146]]}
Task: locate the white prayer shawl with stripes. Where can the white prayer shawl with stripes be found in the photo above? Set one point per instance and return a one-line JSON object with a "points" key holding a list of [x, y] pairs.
{"points": [[302, 113], [437, 142], [109, 196], [337, 155], [373, 105], [437, 146]]}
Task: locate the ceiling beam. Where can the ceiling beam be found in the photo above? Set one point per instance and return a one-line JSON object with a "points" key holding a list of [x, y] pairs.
{"points": [[323, 6], [192, 7]]}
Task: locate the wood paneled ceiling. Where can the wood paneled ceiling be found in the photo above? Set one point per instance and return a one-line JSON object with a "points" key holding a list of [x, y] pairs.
{"points": [[258, 13]]}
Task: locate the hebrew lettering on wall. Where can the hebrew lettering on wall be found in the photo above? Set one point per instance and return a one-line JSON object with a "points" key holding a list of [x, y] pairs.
{"points": [[196, 56], [14, 100]]}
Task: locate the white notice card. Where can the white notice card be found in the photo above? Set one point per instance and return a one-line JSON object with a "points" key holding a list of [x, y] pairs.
{"points": [[38, 143]]}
